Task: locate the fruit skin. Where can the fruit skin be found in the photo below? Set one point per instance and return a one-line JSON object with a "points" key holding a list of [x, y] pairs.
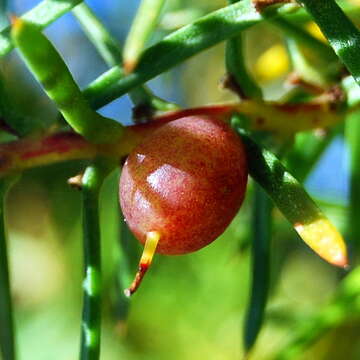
{"points": [[187, 181]]}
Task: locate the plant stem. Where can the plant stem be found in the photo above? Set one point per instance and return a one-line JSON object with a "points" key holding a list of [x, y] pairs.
{"points": [[63, 146], [41, 15], [91, 322], [236, 68], [261, 226], [341, 33], [7, 334]]}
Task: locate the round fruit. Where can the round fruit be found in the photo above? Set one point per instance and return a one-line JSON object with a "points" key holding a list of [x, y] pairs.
{"points": [[185, 181]]}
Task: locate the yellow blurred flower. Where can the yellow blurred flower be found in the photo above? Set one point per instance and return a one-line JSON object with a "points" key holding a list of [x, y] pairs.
{"points": [[272, 63]]}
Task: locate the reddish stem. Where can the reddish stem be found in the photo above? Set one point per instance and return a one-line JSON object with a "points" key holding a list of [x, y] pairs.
{"points": [[31, 152]]}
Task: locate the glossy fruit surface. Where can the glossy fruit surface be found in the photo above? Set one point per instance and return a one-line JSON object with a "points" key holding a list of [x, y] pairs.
{"points": [[186, 181]]}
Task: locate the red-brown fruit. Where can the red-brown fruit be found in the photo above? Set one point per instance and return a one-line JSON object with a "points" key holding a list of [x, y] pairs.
{"points": [[187, 181]]}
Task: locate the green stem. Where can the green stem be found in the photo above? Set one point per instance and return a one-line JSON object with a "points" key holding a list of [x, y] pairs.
{"points": [[260, 266], [236, 68], [341, 33], [41, 15], [91, 322], [7, 334]]}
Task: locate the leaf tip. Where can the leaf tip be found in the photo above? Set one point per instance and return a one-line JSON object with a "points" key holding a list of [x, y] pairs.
{"points": [[340, 260], [325, 240], [129, 66], [16, 22]]}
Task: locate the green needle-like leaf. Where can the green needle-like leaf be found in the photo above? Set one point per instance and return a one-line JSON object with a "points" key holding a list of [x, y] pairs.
{"points": [[52, 73], [341, 33], [261, 220], [91, 323], [110, 51], [295, 204], [105, 44], [261, 226], [42, 15], [178, 47], [141, 29]]}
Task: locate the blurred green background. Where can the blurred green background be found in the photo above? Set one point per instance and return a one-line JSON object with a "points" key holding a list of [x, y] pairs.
{"points": [[189, 307]]}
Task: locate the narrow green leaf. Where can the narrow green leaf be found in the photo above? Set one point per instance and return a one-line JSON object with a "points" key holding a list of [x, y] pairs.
{"points": [[91, 321], [261, 217], [110, 51], [50, 70], [41, 15], [295, 204], [179, 46], [105, 44], [141, 29], [341, 33], [261, 227]]}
